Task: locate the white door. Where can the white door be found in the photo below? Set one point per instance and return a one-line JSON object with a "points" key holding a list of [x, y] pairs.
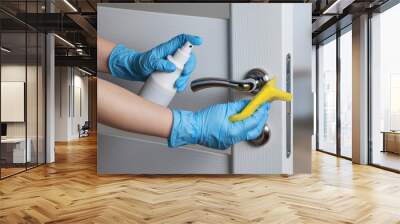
{"points": [[237, 38]]}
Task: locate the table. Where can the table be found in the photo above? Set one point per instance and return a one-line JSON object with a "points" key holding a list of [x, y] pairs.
{"points": [[391, 141], [17, 150]]}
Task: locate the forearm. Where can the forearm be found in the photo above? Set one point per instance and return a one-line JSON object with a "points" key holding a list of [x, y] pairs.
{"points": [[119, 108], [104, 48]]}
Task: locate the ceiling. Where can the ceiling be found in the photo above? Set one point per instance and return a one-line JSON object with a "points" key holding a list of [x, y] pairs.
{"points": [[76, 22], [76, 25]]}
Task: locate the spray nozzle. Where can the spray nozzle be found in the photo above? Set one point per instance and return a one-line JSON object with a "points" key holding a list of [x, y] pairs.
{"points": [[186, 48], [182, 55]]}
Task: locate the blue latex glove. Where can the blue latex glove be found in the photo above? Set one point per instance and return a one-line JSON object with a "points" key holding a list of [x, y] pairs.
{"points": [[211, 127], [136, 66]]}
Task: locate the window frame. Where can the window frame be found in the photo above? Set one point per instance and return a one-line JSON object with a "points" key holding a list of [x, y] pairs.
{"points": [[27, 29], [334, 37]]}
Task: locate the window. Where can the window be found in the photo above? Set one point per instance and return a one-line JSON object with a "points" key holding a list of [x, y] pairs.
{"points": [[22, 88], [327, 96], [335, 138], [346, 93], [14, 153], [385, 89]]}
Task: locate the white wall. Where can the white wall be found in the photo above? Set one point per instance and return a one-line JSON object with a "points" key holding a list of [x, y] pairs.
{"points": [[79, 117], [12, 73], [61, 103], [33, 126], [69, 82]]}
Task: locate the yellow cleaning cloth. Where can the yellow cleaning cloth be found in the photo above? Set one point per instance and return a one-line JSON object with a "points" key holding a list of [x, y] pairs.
{"points": [[268, 93]]}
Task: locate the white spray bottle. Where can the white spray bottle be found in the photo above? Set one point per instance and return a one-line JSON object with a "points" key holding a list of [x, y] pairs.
{"points": [[160, 86]]}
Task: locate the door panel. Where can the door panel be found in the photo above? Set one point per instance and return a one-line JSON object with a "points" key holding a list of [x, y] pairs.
{"points": [[255, 35], [262, 39], [139, 158], [212, 60]]}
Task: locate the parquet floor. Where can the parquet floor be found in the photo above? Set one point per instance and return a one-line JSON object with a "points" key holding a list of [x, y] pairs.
{"points": [[69, 191]]}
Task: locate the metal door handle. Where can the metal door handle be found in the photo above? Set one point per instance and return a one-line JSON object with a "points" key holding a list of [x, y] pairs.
{"points": [[246, 85], [254, 80], [263, 138]]}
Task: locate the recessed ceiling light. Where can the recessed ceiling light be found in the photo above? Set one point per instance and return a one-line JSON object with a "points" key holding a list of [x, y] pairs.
{"points": [[337, 7], [70, 5], [84, 71], [64, 40], [5, 49]]}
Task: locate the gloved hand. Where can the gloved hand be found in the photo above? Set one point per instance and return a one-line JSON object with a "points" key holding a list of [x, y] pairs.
{"points": [[211, 127], [131, 65]]}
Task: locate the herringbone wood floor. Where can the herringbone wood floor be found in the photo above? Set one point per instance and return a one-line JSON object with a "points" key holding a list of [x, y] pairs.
{"points": [[69, 191]]}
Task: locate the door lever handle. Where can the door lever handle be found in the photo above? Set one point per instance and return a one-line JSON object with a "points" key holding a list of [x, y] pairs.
{"points": [[255, 79], [247, 85]]}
